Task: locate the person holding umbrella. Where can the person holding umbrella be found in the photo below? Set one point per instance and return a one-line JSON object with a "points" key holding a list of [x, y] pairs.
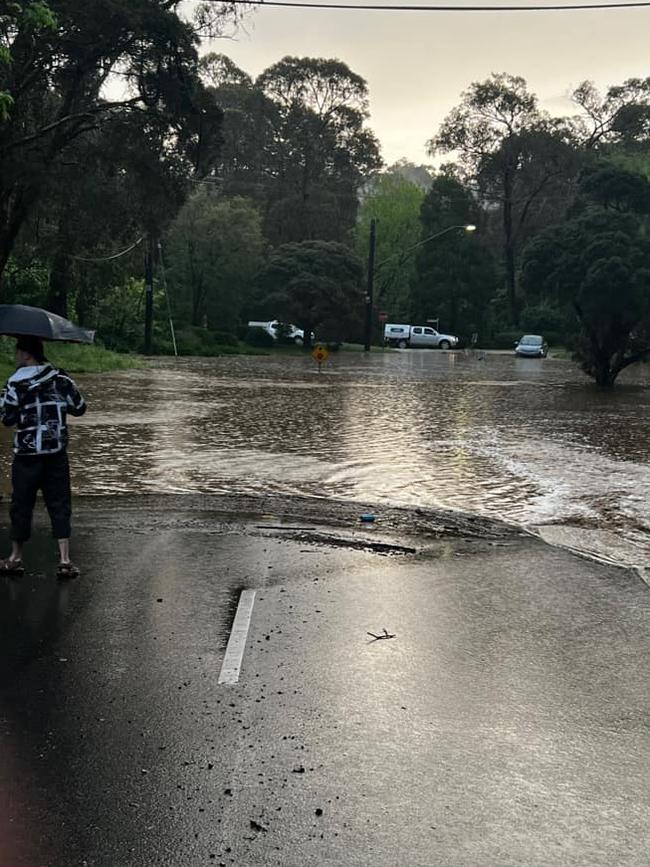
{"points": [[37, 399]]}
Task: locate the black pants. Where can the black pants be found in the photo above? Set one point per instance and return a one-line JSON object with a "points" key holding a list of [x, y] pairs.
{"points": [[51, 475]]}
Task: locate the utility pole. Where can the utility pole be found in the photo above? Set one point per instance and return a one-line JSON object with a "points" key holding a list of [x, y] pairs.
{"points": [[371, 283], [148, 296]]}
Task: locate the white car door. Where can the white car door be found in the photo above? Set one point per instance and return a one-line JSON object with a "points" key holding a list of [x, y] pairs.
{"points": [[430, 337], [417, 336]]}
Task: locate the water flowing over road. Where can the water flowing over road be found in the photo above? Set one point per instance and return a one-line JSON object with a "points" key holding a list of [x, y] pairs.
{"points": [[528, 441]]}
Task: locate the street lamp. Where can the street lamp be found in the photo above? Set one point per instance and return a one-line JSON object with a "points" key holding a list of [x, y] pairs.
{"points": [[373, 268]]}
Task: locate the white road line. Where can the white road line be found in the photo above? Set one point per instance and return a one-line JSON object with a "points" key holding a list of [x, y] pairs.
{"points": [[237, 642]]}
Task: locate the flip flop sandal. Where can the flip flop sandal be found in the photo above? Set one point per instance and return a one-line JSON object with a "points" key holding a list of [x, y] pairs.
{"points": [[67, 570], [12, 567]]}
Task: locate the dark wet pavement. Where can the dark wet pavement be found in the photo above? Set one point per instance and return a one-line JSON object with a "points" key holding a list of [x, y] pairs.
{"points": [[505, 724], [529, 441]]}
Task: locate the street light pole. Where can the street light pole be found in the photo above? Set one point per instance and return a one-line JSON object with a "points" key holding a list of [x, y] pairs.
{"points": [[372, 268], [371, 283], [466, 228], [148, 296]]}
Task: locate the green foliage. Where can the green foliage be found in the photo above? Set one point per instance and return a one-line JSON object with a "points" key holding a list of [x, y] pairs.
{"points": [[37, 15], [89, 359], [54, 101], [214, 252], [296, 141], [6, 104], [545, 319], [26, 282], [200, 341], [597, 265], [455, 276], [316, 285], [75, 358], [521, 161], [120, 316], [259, 337], [502, 340], [395, 203]]}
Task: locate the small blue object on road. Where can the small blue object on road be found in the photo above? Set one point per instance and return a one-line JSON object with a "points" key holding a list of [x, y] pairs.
{"points": [[367, 519]]}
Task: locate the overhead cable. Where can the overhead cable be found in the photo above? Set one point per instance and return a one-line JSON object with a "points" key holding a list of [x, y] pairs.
{"points": [[373, 7], [109, 258]]}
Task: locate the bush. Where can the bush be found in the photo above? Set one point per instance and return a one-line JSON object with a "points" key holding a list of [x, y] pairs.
{"points": [[260, 338], [223, 338], [120, 316], [502, 340], [191, 340], [545, 320]]}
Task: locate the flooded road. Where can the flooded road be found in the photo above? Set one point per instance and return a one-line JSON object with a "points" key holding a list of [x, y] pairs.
{"points": [[528, 441]]}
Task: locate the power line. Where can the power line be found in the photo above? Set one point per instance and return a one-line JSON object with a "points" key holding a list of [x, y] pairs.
{"points": [[372, 7], [109, 258]]}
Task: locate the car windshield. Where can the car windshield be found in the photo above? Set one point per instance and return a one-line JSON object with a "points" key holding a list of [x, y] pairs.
{"points": [[531, 339]]}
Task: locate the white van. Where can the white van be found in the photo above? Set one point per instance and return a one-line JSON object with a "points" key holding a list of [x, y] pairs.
{"points": [[403, 336]]}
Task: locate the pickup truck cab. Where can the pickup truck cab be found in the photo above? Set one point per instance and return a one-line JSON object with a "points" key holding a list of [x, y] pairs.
{"points": [[403, 336]]}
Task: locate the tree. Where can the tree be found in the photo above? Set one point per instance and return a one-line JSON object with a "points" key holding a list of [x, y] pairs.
{"points": [[214, 252], [420, 175], [320, 151], [314, 284], [455, 276], [619, 117], [513, 153], [59, 63], [597, 267], [395, 203], [245, 161]]}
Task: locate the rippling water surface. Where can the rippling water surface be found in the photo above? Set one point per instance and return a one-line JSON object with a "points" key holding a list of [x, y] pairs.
{"points": [[530, 441]]}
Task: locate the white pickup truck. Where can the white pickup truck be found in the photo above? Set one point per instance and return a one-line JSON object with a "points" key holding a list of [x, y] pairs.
{"points": [[403, 336], [274, 328]]}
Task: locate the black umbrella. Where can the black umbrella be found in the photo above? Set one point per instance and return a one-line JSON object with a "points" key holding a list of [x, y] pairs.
{"points": [[18, 320]]}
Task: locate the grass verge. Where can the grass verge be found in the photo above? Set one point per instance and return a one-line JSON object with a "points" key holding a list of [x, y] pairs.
{"points": [[73, 357]]}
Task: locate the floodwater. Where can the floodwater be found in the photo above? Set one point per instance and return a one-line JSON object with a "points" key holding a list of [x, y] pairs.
{"points": [[529, 441]]}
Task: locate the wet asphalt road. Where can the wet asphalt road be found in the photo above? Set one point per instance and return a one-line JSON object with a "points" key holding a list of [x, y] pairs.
{"points": [[505, 724]]}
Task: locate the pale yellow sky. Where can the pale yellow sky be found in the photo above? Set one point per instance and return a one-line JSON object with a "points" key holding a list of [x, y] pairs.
{"points": [[417, 64]]}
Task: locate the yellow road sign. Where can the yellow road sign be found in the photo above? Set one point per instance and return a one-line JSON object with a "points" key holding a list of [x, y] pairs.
{"points": [[320, 354]]}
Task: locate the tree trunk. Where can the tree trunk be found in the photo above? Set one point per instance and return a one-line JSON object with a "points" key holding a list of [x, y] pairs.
{"points": [[13, 212], [306, 340], [57, 295], [603, 371]]}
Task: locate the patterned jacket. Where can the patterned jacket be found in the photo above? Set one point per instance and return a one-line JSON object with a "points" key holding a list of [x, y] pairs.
{"points": [[37, 400]]}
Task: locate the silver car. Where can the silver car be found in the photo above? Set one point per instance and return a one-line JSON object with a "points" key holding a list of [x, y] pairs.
{"points": [[532, 346]]}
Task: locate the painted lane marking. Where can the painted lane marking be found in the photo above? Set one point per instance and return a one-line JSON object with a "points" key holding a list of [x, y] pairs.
{"points": [[238, 635]]}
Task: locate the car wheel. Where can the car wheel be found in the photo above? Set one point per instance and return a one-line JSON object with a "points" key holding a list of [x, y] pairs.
{"points": [[444, 344], [402, 344], [298, 341]]}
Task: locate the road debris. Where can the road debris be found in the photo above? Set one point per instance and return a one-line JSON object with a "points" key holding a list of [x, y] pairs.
{"points": [[381, 637]]}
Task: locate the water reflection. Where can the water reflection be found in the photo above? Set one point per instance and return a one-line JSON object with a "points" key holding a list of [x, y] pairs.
{"points": [[527, 440]]}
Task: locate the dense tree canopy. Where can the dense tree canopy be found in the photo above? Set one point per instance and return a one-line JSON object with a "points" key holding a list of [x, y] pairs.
{"points": [[455, 277], [68, 69], [597, 266], [214, 252], [394, 203], [116, 133], [517, 158], [315, 285]]}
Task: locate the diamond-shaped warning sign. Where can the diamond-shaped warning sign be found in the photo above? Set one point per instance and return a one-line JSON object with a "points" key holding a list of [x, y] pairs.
{"points": [[320, 354]]}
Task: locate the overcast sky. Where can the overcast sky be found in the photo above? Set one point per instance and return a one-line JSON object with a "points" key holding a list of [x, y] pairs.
{"points": [[417, 64]]}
